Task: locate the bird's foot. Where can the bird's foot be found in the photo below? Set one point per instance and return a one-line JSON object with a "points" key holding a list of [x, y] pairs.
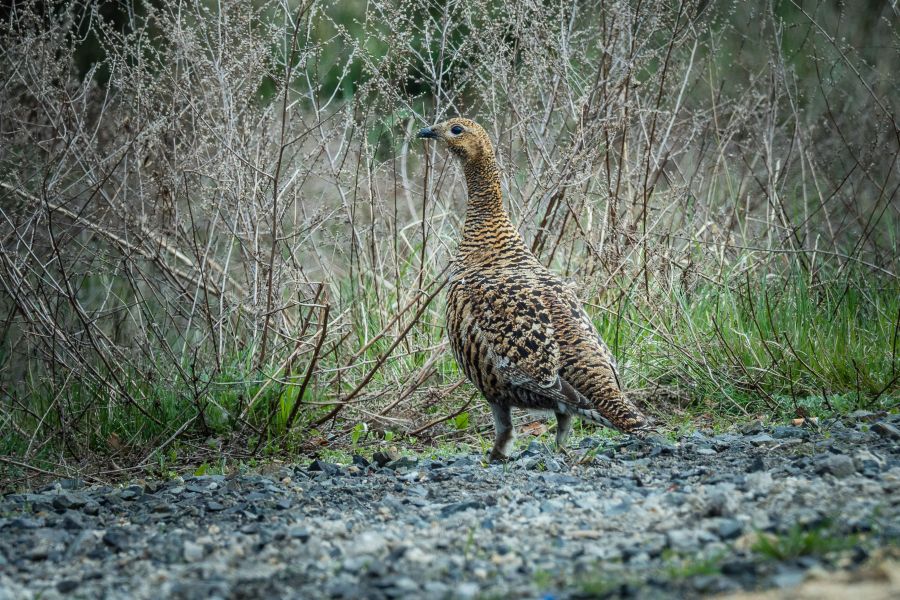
{"points": [[589, 455], [565, 456], [498, 457]]}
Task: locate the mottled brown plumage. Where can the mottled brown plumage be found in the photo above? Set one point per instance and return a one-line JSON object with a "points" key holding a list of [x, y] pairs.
{"points": [[518, 332]]}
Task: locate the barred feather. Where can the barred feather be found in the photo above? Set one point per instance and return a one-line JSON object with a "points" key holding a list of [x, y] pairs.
{"points": [[518, 332]]}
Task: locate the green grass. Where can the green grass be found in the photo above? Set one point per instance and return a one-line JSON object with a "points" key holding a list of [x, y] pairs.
{"points": [[771, 345], [615, 584], [800, 541], [678, 568], [675, 567], [737, 334], [823, 541]]}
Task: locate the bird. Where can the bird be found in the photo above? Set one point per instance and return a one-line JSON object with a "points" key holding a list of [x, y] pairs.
{"points": [[518, 332]]}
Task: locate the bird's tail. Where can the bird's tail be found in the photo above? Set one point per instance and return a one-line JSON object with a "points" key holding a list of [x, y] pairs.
{"points": [[621, 415], [647, 430]]}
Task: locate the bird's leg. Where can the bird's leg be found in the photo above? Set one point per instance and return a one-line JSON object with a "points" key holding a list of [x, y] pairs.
{"points": [[505, 433], [563, 429]]}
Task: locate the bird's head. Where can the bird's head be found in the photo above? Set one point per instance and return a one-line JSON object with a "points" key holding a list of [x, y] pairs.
{"points": [[465, 138]]}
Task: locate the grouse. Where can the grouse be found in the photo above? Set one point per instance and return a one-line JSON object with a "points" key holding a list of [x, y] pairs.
{"points": [[517, 331]]}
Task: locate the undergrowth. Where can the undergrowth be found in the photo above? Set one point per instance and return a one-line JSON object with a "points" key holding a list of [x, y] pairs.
{"points": [[221, 239]]}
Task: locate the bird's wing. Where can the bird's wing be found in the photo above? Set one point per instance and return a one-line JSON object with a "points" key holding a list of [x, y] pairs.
{"points": [[605, 352], [572, 305], [512, 320]]}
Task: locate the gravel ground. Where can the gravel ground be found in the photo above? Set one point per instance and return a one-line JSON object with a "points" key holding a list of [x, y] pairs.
{"points": [[635, 521]]}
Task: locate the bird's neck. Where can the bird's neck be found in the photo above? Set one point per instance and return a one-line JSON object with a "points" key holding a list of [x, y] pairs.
{"points": [[487, 223]]}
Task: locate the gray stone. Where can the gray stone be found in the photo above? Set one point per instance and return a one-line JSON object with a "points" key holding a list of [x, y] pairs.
{"points": [[436, 589], [783, 432], [619, 508], [551, 465], [654, 544], [413, 533], [839, 465], [404, 462], [683, 540], [368, 542], [462, 506], [26, 523], [381, 458], [117, 539], [762, 439], [132, 492], [862, 415], [719, 502], [399, 587], [66, 501], [408, 476], [534, 448], [752, 428], [868, 461], [200, 487], [465, 462], [417, 490], [67, 586], [661, 450], [73, 520], [324, 467], [559, 479], [68, 484], [533, 463], [552, 506], [788, 578], [47, 542], [713, 584], [729, 529], [467, 590], [886, 430], [756, 465], [739, 567], [759, 483], [675, 498], [200, 590], [192, 552]]}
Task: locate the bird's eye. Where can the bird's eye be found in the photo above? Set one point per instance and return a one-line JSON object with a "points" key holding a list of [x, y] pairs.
{"points": [[456, 129]]}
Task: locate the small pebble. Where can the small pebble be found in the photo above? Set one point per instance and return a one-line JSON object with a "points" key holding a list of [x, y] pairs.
{"points": [[540, 526]]}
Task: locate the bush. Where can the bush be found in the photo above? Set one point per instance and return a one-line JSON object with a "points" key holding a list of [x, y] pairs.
{"points": [[215, 223]]}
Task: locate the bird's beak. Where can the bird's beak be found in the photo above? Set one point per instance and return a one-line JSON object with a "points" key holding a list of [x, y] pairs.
{"points": [[427, 132]]}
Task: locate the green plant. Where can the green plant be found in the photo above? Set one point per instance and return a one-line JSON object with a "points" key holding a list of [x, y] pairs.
{"points": [[461, 421], [683, 567], [799, 541], [358, 430], [280, 270]]}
